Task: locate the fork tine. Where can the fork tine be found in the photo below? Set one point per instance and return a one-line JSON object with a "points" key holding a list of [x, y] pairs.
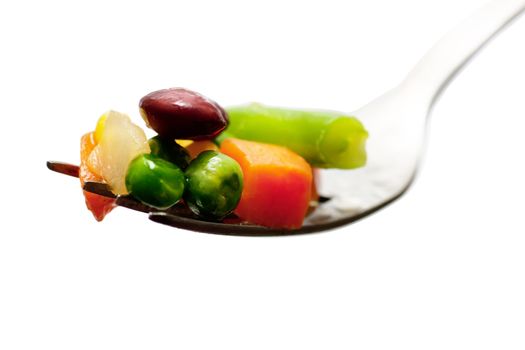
{"points": [[63, 168], [98, 188], [129, 202], [191, 224], [221, 228], [133, 204]]}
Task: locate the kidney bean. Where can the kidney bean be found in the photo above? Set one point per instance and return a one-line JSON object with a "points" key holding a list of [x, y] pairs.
{"points": [[179, 113]]}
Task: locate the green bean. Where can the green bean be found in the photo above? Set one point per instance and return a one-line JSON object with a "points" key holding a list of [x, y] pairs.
{"points": [[325, 139]]}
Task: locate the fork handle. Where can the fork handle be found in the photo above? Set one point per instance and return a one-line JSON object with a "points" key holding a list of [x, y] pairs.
{"points": [[440, 65]]}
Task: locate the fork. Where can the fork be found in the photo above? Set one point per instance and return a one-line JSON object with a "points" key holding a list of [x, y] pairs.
{"points": [[397, 124]]}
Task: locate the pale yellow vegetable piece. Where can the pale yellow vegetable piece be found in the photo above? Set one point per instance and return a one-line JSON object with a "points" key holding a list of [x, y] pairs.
{"points": [[120, 142], [99, 131], [184, 143]]}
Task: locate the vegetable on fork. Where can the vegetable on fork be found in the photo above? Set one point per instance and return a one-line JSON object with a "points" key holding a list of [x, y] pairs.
{"points": [[100, 206], [277, 184], [324, 139]]}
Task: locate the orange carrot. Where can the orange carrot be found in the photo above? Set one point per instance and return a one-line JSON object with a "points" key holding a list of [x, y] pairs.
{"points": [[197, 147], [277, 183], [100, 206]]}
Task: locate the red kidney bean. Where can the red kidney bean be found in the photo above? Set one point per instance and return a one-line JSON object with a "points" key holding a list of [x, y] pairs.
{"points": [[178, 113]]}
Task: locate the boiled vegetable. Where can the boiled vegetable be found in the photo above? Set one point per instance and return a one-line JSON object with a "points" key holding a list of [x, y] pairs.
{"points": [[169, 150], [99, 130], [178, 113], [100, 206], [214, 184], [325, 139], [277, 183], [197, 147], [155, 181], [120, 142]]}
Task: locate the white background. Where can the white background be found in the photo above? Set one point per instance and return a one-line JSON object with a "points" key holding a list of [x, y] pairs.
{"points": [[442, 268]]}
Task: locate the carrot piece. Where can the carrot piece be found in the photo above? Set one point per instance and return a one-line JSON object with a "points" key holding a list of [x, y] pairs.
{"points": [[277, 183], [197, 147], [100, 206]]}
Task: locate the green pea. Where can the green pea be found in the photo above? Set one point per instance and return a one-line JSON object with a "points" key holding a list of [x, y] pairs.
{"points": [[169, 150], [213, 185], [155, 181]]}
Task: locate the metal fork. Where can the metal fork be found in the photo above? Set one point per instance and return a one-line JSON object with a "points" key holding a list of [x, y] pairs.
{"points": [[397, 125]]}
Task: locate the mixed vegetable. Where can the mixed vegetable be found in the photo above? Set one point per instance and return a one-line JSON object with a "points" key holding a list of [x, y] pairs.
{"points": [[253, 161]]}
